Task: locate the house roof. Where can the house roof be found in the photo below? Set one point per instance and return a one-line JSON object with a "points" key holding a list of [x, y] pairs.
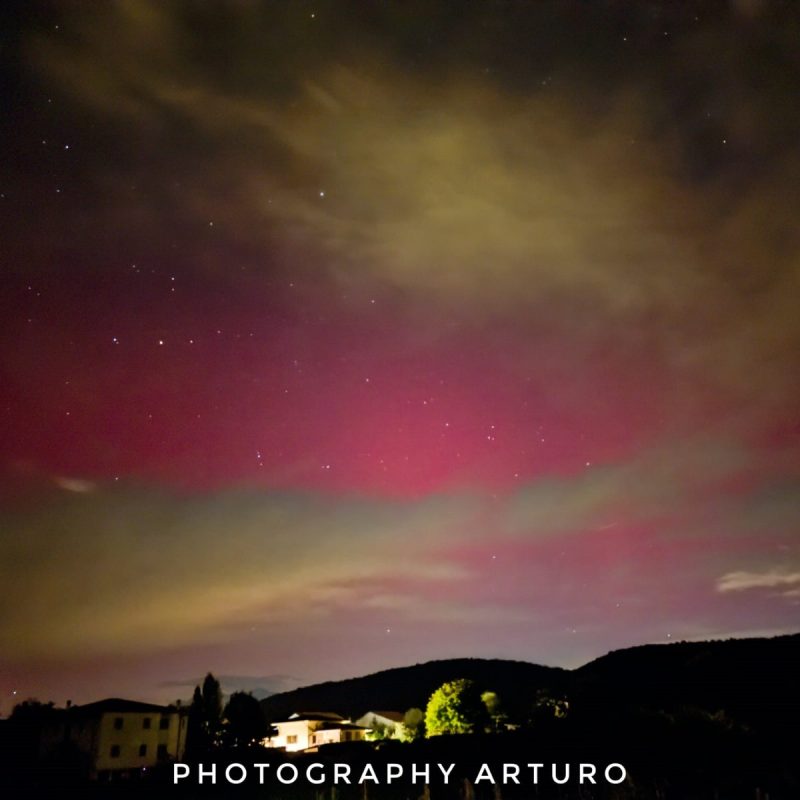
{"points": [[120, 706], [315, 716], [341, 726], [394, 716]]}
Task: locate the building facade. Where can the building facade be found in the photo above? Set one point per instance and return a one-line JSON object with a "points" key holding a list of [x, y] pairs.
{"points": [[120, 738], [307, 730]]}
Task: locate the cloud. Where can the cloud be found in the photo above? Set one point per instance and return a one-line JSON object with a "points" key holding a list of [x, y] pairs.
{"points": [[456, 187], [115, 570], [129, 568], [655, 484], [258, 685], [462, 190], [744, 580], [75, 485]]}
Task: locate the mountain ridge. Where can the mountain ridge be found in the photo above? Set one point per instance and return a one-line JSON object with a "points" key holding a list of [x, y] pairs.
{"points": [[753, 679]]}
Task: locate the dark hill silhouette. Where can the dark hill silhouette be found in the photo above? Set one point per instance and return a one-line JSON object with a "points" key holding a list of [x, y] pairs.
{"points": [[752, 681], [402, 688]]}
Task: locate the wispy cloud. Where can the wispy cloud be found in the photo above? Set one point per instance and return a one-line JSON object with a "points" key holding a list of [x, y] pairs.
{"points": [[117, 568], [78, 485], [258, 685], [744, 580], [459, 190]]}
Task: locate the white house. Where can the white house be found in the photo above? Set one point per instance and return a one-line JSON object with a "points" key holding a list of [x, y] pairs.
{"points": [[390, 721], [307, 730]]}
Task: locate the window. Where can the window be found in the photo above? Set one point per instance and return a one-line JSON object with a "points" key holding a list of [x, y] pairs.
{"points": [[161, 752], [118, 723], [142, 749], [114, 751], [164, 723], [291, 740], [146, 723]]}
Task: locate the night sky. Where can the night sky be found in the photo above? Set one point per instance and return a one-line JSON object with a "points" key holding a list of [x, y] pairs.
{"points": [[340, 336]]}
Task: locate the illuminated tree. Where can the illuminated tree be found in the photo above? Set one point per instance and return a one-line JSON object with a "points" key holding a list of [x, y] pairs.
{"points": [[413, 726], [494, 708], [378, 731], [455, 707]]}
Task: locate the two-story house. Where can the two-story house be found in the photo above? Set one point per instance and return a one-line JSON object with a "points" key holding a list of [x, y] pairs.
{"points": [[120, 737], [307, 730]]}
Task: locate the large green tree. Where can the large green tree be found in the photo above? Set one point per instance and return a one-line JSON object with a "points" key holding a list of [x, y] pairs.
{"points": [[456, 707]]}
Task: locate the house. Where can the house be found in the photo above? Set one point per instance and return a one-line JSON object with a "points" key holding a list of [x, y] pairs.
{"points": [[389, 722], [119, 738], [307, 730]]}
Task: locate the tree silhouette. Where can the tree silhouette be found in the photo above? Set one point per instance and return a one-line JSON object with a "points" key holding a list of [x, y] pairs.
{"points": [[245, 723], [32, 711], [548, 705], [205, 717]]}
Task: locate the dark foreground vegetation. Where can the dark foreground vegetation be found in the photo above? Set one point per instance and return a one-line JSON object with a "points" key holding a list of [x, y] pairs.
{"points": [[667, 757]]}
